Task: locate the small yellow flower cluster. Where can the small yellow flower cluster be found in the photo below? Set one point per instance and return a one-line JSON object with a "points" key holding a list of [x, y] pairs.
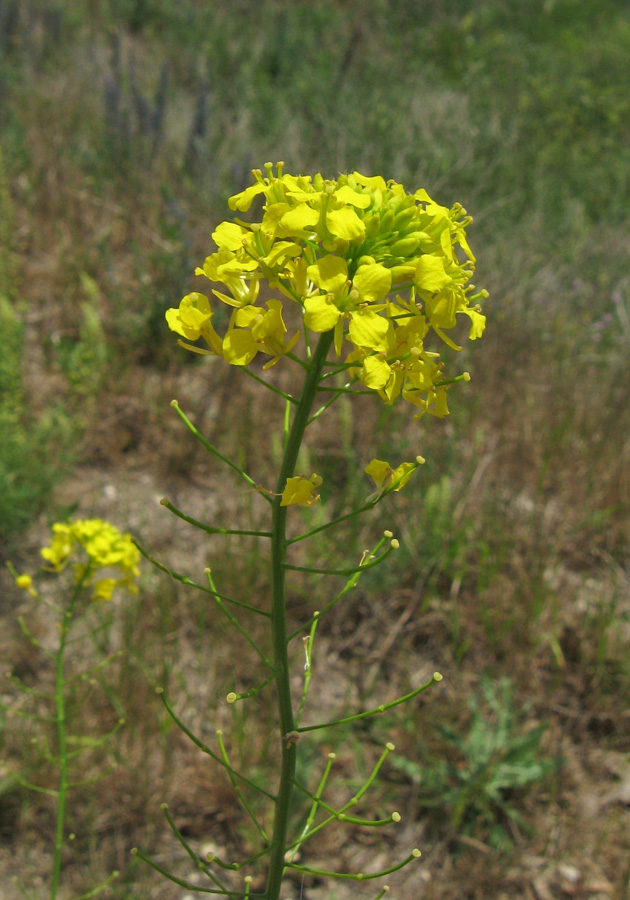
{"points": [[105, 548], [363, 258]]}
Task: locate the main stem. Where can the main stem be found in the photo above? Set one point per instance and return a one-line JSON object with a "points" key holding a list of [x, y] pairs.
{"points": [[60, 717], [279, 620]]}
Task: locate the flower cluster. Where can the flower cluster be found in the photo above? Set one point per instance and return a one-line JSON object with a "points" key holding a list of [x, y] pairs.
{"points": [[100, 547], [379, 267]]}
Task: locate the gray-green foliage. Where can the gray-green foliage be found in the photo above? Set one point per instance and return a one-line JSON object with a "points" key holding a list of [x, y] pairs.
{"points": [[478, 776]]}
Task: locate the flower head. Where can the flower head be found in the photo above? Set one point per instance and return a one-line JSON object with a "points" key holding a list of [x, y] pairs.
{"points": [[385, 270], [105, 558]]}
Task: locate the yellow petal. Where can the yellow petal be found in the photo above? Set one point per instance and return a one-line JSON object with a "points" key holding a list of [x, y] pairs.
{"points": [[239, 347], [375, 183], [368, 329], [194, 310], [402, 474], [299, 219], [441, 407], [430, 273], [330, 273], [301, 491], [212, 263], [280, 251], [229, 236], [345, 224], [321, 314], [246, 316], [345, 194], [478, 323], [373, 282], [376, 373], [243, 200], [379, 471]]}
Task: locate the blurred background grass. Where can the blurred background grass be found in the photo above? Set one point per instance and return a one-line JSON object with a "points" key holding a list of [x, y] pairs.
{"points": [[124, 126]]}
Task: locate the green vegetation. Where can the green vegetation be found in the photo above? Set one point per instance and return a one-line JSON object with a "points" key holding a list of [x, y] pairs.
{"points": [[123, 128], [28, 467], [474, 780]]}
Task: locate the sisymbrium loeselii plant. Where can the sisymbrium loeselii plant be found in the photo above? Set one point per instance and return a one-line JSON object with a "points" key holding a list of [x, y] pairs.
{"points": [[378, 277], [102, 560]]}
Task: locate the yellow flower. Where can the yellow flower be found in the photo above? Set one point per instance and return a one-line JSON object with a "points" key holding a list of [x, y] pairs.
{"points": [[192, 321], [339, 248], [341, 298], [95, 545], [300, 491], [103, 589], [252, 331], [25, 583], [385, 478]]}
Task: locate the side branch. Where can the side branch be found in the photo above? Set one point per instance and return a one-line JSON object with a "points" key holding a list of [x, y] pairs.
{"points": [[377, 709]]}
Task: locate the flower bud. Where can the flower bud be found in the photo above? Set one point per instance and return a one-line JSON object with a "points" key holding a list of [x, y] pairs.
{"points": [[372, 226], [387, 221], [404, 217], [406, 246], [402, 273]]}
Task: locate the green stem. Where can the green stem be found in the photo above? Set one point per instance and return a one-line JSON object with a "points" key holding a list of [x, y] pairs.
{"points": [[239, 792], [210, 529], [183, 579], [189, 885], [352, 802], [355, 512], [197, 862], [415, 854], [377, 709], [60, 717], [360, 568], [234, 621], [314, 808], [278, 616], [204, 747], [213, 450]]}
